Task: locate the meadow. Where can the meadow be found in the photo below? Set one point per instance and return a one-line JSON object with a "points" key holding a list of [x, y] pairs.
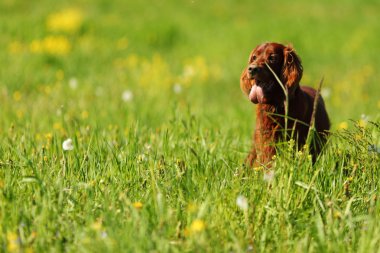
{"points": [[123, 128]]}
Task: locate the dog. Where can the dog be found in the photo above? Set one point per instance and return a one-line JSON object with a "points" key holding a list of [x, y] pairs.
{"points": [[272, 82]]}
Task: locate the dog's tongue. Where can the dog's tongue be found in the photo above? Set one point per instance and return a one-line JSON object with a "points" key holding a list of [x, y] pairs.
{"points": [[256, 95]]}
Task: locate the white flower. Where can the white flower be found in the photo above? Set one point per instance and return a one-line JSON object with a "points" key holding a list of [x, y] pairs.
{"points": [[127, 95], [325, 92], [177, 88], [68, 144], [269, 176], [147, 146], [73, 83], [242, 202], [99, 91], [364, 117], [103, 234]]}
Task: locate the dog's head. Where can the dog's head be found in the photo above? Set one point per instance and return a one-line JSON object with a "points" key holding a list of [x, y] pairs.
{"points": [[258, 81]]}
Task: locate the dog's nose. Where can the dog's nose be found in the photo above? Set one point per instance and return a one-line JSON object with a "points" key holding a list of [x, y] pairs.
{"points": [[253, 69]]}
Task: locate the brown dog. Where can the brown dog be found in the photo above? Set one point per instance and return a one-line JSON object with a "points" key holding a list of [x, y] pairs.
{"points": [[263, 89]]}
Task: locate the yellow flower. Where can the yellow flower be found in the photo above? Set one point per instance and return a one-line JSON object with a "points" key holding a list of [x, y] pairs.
{"points": [[28, 250], [49, 136], [197, 226], [20, 114], [36, 46], [192, 207], [56, 45], [358, 137], [47, 89], [68, 20], [17, 96], [343, 125], [337, 214], [138, 205], [362, 123], [57, 126], [12, 242], [97, 225], [84, 114]]}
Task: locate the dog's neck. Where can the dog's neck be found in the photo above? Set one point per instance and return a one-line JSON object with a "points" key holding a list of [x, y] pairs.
{"points": [[272, 116]]}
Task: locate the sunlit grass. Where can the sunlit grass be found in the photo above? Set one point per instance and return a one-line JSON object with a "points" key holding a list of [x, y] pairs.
{"points": [[123, 129]]}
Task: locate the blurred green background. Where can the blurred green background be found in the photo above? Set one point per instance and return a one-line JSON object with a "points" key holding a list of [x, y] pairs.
{"points": [[168, 54], [148, 92]]}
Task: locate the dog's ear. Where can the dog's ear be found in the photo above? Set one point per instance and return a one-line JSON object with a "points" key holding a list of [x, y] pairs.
{"points": [[245, 83], [292, 69]]}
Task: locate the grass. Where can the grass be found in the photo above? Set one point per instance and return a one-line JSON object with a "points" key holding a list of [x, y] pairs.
{"points": [[149, 94]]}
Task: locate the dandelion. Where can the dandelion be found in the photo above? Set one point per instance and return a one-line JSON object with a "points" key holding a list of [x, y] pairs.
{"points": [[177, 88], [17, 96], [68, 20], [68, 145], [97, 225], [54, 45], [84, 114], [192, 207], [57, 126], [73, 83], [197, 226], [337, 214], [343, 125], [269, 176], [48, 136], [20, 114], [13, 242], [138, 205], [242, 202], [36, 46], [127, 96]]}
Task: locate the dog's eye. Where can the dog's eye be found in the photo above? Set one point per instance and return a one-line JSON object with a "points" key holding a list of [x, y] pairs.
{"points": [[253, 58], [272, 58]]}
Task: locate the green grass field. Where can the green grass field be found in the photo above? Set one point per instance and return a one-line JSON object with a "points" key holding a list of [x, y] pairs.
{"points": [[149, 94]]}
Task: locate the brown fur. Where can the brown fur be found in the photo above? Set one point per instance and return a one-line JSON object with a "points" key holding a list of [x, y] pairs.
{"points": [[270, 110]]}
